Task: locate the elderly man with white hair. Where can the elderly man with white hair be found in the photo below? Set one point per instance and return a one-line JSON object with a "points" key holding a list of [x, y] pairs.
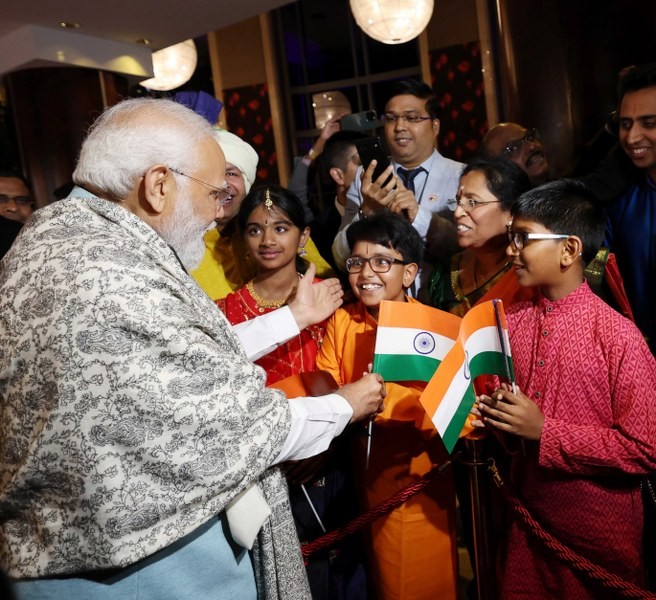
{"points": [[225, 266], [136, 438]]}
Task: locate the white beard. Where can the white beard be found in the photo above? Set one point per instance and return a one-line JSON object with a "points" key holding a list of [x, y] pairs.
{"points": [[184, 232]]}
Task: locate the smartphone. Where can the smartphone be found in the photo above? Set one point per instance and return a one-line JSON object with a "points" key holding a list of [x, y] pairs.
{"points": [[373, 148], [362, 121]]}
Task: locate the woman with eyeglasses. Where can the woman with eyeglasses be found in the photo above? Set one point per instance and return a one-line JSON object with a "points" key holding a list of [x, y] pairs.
{"points": [[486, 192]]}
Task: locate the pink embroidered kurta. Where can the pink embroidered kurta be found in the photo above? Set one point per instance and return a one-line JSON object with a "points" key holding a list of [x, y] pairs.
{"points": [[592, 375]]}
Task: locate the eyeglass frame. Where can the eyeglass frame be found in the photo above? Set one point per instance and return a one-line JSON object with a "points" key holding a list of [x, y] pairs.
{"points": [[390, 117], [367, 261], [18, 200], [214, 191], [512, 148], [525, 236], [473, 204]]}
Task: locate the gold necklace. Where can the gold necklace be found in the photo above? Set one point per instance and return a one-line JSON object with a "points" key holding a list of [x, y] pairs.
{"points": [[476, 284], [261, 302]]}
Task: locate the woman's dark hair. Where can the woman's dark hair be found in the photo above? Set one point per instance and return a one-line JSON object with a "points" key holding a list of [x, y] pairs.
{"points": [[504, 179], [390, 230], [284, 200]]}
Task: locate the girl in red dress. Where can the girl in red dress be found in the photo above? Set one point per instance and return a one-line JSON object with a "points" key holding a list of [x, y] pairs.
{"points": [[272, 222]]}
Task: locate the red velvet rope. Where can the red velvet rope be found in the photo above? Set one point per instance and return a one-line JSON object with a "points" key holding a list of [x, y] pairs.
{"points": [[331, 538], [574, 559]]}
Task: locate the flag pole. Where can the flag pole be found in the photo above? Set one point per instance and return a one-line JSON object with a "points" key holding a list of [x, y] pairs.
{"points": [[480, 490], [369, 434], [502, 341]]}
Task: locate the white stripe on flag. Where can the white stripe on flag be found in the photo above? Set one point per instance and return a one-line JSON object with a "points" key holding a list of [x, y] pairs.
{"points": [[407, 340], [485, 339]]}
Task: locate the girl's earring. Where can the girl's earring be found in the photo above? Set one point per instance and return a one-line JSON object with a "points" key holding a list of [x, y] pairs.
{"points": [[302, 251]]}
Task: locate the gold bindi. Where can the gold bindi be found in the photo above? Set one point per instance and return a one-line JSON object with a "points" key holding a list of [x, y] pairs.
{"points": [[267, 200]]}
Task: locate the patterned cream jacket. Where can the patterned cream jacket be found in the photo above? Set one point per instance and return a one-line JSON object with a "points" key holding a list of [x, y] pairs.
{"points": [[129, 413]]}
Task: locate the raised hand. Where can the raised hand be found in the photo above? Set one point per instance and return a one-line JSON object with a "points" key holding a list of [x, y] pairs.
{"points": [[404, 203], [375, 195], [315, 302]]}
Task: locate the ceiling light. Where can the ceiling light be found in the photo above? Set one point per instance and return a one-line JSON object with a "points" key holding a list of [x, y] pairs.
{"points": [[327, 105], [69, 25], [173, 66], [392, 21]]}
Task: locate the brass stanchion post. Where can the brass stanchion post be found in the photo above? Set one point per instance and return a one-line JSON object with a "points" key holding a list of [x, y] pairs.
{"points": [[484, 556]]}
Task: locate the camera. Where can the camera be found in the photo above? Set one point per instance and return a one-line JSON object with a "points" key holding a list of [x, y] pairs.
{"points": [[362, 121]]}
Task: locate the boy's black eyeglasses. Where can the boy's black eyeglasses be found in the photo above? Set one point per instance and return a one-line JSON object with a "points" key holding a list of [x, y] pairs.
{"points": [[220, 195], [518, 238], [513, 148], [378, 263]]}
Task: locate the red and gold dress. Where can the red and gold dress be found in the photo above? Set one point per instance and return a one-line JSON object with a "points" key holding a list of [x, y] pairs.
{"points": [[298, 355]]}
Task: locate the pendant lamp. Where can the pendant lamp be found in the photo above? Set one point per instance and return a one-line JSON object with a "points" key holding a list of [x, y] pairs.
{"points": [[327, 105], [173, 66], [392, 21]]}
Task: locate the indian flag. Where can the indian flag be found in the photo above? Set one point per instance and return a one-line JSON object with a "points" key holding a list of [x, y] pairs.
{"points": [[482, 348], [411, 340]]}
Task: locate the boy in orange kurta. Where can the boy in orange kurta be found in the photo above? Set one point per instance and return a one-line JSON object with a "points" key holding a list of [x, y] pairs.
{"points": [[412, 550]]}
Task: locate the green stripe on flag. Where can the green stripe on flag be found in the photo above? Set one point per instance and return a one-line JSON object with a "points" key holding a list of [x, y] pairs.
{"points": [[484, 363], [489, 363], [405, 367], [458, 420]]}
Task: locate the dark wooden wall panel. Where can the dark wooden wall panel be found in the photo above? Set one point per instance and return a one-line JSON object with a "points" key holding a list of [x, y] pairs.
{"points": [[53, 108]]}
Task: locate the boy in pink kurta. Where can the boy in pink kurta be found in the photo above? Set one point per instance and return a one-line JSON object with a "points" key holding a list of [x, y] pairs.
{"points": [[584, 406]]}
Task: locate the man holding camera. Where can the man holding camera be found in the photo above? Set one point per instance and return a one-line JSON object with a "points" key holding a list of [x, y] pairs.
{"points": [[419, 180]]}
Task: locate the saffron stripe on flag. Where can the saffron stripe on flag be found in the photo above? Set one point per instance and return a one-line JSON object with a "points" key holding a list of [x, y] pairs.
{"points": [[449, 395], [411, 340], [452, 365], [418, 316]]}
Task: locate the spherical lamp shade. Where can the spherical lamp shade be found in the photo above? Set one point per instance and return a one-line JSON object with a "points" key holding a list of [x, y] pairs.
{"points": [[173, 66], [327, 105], [392, 21]]}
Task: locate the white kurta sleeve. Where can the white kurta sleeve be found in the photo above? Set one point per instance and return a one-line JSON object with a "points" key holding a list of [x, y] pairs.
{"points": [[264, 334], [315, 423]]}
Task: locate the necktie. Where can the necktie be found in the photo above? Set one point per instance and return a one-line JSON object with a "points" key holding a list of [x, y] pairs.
{"points": [[408, 176]]}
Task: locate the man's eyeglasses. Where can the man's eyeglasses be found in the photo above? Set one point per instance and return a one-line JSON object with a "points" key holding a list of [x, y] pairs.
{"points": [[390, 117], [467, 204], [378, 263], [19, 200], [514, 147], [518, 238], [219, 195]]}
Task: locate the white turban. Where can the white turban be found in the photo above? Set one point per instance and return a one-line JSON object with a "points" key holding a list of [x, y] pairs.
{"points": [[238, 153]]}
